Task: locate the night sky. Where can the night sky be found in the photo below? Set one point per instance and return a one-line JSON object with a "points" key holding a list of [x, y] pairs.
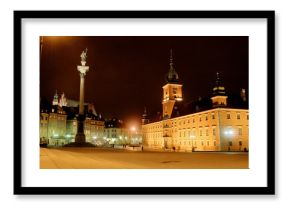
{"points": [[127, 73]]}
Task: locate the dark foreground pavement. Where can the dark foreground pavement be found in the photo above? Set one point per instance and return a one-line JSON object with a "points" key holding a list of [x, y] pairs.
{"points": [[94, 158]]}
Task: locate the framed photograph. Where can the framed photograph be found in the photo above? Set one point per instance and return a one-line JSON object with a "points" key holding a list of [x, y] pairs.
{"points": [[144, 102]]}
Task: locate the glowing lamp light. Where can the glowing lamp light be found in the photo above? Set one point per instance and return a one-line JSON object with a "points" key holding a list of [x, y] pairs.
{"points": [[133, 128], [94, 137], [68, 136], [229, 132], [55, 135]]}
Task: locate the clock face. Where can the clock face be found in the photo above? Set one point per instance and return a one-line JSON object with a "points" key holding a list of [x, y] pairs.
{"points": [[174, 90]]}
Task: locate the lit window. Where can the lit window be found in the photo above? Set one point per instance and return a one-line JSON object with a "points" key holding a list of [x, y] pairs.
{"points": [[238, 116], [228, 116], [240, 131]]}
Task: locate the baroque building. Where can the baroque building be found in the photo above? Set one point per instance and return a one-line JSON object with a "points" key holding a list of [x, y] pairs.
{"points": [[206, 125]]}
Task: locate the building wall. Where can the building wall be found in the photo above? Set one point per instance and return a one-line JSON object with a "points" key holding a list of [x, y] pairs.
{"points": [[56, 130], [43, 127], [94, 130], [118, 136], [204, 131], [171, 93]]}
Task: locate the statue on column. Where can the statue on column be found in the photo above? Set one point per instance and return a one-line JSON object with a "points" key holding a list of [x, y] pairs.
{"points": [[84, 55]]}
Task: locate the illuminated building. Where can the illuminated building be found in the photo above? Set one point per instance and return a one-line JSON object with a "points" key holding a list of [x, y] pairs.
{"points": [[58, 123], [207, 125], [116, 133], [53, 127]]}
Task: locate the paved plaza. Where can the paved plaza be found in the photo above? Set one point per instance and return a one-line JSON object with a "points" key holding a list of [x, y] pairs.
{"points": [[97, 158]]}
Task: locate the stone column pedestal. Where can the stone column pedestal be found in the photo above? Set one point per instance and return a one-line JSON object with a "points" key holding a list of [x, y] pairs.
{"points": [[80, 137]]}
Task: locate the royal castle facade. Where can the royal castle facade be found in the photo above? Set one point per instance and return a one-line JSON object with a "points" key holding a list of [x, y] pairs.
{"points": [[219, 127]]}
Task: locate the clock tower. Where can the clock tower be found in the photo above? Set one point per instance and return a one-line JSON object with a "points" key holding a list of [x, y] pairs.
{"points": [[172, 90]]}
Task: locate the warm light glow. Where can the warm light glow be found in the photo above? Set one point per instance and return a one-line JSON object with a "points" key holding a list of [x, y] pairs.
{"points": [[55, 135], [229, 132], [133, 128]]}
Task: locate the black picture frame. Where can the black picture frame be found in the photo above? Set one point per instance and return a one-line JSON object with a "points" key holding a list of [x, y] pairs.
{"points": [[19, 189]]}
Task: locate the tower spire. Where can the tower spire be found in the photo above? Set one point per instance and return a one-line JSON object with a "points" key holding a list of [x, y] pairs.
{"points": [[219, 98], [144, 117], [171, 59], [218, 89], [218, 80], [172, 76], [145, 111], [55, 98]]}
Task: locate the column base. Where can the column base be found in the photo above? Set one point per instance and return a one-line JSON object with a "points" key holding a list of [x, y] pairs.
{"points": [[80, 138]]}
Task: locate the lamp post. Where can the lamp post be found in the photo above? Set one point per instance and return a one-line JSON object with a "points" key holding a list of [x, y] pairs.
{"points": [[80, 136]]}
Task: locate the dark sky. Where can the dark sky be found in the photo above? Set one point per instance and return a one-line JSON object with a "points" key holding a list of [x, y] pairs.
{"points": [[127, 73]]}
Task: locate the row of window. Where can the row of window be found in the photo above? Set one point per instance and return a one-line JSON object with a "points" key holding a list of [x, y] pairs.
{"points": [[174, 123], [192, 133], [195, 143]]}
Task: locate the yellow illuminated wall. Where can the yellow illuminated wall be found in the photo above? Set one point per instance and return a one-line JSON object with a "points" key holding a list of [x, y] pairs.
{"points": [[171, 94], [219, 129]]}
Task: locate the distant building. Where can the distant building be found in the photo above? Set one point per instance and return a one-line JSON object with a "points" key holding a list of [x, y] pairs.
{"points": [[216, 124], [58, 122], [53, 127], [116, 132]]}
